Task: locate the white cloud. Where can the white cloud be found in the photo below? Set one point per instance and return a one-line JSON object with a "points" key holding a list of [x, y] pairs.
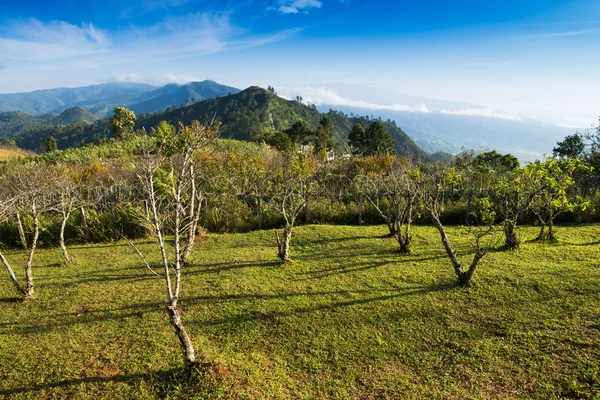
{"points": [[36, 40], [561, 34], [158, 80], [59, 45], [294, 7], [323, 96], [180, 79], [482, 112], [126, 78]]}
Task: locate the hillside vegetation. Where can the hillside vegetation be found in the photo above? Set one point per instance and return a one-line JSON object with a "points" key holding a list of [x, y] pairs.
{"points": [[7, 153], [349, 318], [244, 116]]}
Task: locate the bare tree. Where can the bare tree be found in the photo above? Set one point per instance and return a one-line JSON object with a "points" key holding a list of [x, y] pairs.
{"points": [[66, 195], [168, 180], [433, 188], [25, 188], [397, 185], [294, 175]]}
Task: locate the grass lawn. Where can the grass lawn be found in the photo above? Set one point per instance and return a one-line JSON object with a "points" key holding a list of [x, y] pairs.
{"points": [[350, 318], [6, 154]]}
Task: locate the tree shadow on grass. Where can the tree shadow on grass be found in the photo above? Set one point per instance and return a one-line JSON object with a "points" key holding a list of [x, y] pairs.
{"points": [[392, 294], [10, 300], [95, 316], [107, 245], [334, 240], [197, 269], [199, 380]]}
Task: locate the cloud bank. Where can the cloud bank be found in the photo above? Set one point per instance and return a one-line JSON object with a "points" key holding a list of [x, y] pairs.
{"points": [[297, 6], [322, 96], [482, 112]]}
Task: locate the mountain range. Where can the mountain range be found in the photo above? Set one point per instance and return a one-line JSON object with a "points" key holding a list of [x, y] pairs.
{"points": [[101, 99], [433, 125]]}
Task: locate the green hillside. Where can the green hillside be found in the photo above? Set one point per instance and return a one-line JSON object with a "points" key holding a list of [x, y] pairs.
{"points": [[246, 115], [74, 115]]}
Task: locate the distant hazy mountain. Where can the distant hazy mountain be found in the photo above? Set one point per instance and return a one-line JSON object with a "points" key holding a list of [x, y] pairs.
{"points": [[174, 95], [15, 122], [434, 131], [95, 98], [101, 99]]}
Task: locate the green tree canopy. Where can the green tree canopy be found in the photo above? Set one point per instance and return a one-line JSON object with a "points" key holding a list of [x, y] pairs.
{"points": [[357, 138], [51, 144], [379, 140], [572, 147], [324, 136], [123, 122], [299, 133]]}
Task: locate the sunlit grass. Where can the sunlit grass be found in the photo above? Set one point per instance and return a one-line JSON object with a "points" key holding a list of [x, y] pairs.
{"points": [[349, 318]]}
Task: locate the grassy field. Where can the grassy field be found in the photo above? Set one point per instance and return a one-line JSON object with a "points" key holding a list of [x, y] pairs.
{"points": [[350, 318], [6, 154]]}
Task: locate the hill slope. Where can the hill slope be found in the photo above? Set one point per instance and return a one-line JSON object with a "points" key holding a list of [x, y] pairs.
{"points": [[75, 115], [254, 111], [16, 122], [246, 115]]}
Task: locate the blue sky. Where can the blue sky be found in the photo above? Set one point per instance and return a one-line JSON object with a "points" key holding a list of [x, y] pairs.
{"points": [[535, 58]]}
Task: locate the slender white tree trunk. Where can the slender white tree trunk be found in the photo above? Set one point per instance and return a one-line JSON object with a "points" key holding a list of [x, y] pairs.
{"points": [[21, 231], [28, 267]]}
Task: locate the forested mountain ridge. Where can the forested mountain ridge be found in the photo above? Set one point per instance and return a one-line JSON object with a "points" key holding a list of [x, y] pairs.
{"points": [[247, 115], [174, 96], [55, 101], [101, 99], [16, 122]]}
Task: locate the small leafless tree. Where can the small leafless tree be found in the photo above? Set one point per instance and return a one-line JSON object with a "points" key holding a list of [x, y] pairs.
{"points": [[25, 188], [433, 189], [398, 185], [168, 179], [294, 175], [66, 195]]}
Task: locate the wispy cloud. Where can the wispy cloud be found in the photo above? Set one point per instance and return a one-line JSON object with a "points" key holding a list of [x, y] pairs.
{"points": [[323, 96], [85, 46], [482, 112], [492, 63], [36, 40], [296, 6], [560, 34]]}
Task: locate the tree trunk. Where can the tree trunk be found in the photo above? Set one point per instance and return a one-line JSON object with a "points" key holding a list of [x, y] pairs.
{"points": [[551, 237], [306, 213], [404, 242], [392, 228], [28, 267], [284, 244], [361, 199], [12, 275], [84, 224], [184, 338], [21, 232], [259, 211], [63, 247], [464, 277], [511, 240]]}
